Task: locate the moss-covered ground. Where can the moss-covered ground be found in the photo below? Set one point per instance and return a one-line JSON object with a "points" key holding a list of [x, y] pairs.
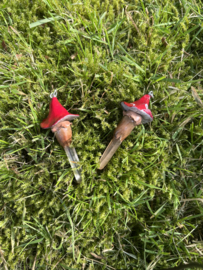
{"points": [[144, 210]]}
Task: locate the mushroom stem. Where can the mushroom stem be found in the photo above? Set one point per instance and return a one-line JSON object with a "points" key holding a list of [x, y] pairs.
{"points": [[63, 133], [124, 128]]}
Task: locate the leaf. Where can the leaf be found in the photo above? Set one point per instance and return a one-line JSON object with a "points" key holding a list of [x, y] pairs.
{"points": [[130, 254], [40, 22], [196, 97], [164, 24], [72, 228], [181, 126], [31, 242], [10, 85], [14, 30], [148, 185], [96, 256], [4, 142], [192, 199], [150, 251], [158, 211], [16, 92], [172, 80], [130, 61], [135, 78], [190, 217], [12, 240], [103, 67], [193, 39], [2, 223], [178, 149], [164, 79], [68, 268]]}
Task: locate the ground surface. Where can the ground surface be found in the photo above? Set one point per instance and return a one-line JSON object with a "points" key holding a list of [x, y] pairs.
{"points": [[144, 210]]}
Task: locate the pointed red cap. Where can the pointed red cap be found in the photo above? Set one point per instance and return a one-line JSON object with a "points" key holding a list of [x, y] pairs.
{"points": [[140, 106], [57, 113]]}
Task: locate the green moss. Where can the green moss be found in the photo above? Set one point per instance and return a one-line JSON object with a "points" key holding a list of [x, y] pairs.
{"points": [[97, 54]]}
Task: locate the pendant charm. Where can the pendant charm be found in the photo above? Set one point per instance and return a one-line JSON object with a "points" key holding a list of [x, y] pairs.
{"points": [[134, 114], [59, 122]]}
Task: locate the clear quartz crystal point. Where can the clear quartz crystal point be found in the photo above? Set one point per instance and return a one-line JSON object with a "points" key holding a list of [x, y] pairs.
{"points": [[63, 133], [74, 162]]}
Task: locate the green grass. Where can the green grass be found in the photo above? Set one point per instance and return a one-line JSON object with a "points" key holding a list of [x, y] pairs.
{"points": [[144, 210]]}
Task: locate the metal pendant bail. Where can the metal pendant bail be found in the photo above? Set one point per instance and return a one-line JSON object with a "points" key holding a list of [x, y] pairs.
{"points": [[53, 94], [151, 94]]}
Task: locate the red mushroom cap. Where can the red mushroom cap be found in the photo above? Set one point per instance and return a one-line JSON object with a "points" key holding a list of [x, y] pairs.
{"points": [[57, 113], [140, 106]]}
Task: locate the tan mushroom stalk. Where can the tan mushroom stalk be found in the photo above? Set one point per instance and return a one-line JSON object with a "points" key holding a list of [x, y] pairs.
{"points": [[133, 115], [59, 122]]}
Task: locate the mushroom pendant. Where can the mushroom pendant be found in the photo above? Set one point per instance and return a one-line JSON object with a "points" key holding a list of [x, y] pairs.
{"points": [[58, 120], [134, 114]]}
